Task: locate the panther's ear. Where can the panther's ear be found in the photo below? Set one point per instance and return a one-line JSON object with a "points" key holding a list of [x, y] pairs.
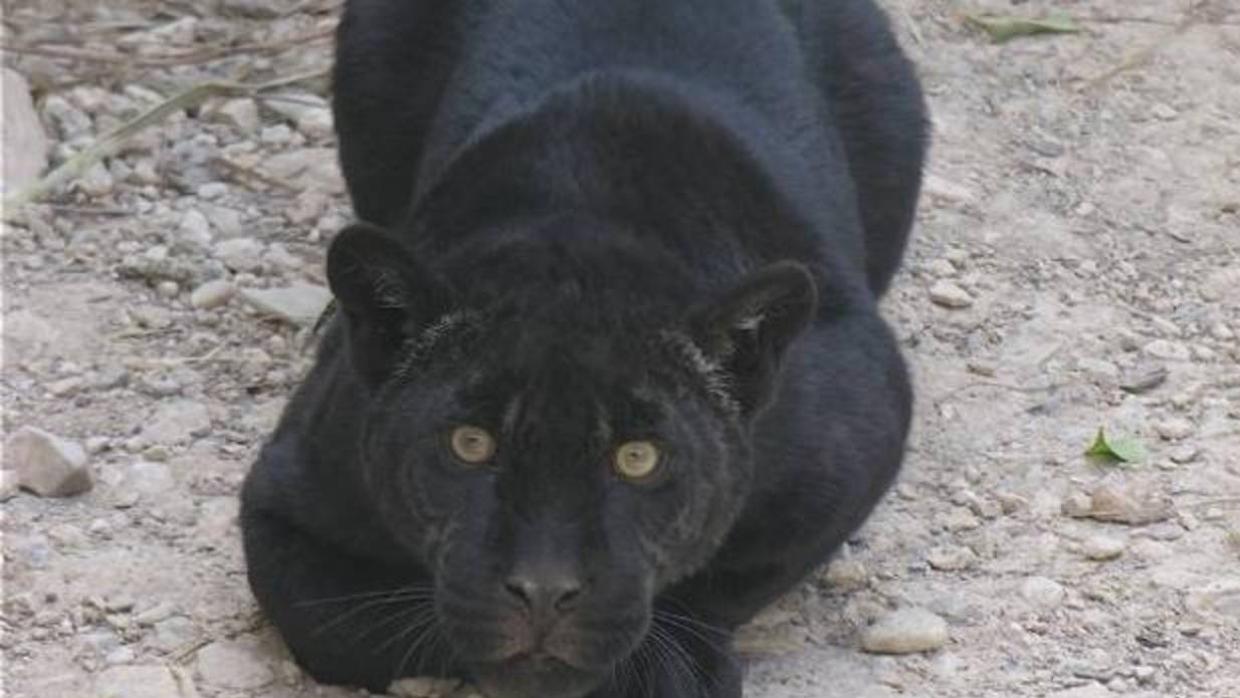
{"points": [[385, 296], [746, 331]]}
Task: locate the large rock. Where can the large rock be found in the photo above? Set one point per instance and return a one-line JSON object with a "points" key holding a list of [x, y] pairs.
{"points": [[46, 464], [24, 142]]}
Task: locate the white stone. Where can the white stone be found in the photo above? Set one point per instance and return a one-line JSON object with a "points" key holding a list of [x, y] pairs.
{"points": [[9, 486], [905, 631], [46, 464], [846, 574], [194, 232], [299, 304], [143, 681], [307, 168], [174, 634], [277, 135], [1099, 370], [228, 222], [212, 294], [177, 422], [241, 114], [1167, 350], [1102, 548], [317, 124], [240, 254], [1221, 285], [25, 144], [233, 665], [253, 9], [936, 187], [212, 190], [149, 479], [161, 611], [1042, 593], [1164, 111], [940, 268], [167, 289], [310, 113], [278, 256], [950, 558], [950, 295], [1090, 690], [70, 122], [1174, 428], [423, 687], [96, 181]]}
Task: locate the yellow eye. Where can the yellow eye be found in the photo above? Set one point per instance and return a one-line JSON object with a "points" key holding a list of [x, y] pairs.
{"points": [[636, 460], [472, 445]]}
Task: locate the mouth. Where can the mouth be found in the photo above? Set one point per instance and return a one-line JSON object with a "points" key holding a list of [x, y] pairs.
{"points": [[536, 675]]}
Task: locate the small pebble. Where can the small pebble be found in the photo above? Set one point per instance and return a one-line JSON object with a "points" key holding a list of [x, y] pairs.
{"points": [[1011, 502], [142, 681], [960, 519], [1174, 429], [846, 574], [159, 612], [167, 289], [96, 182], [940, 268], [950, 295], [1167, 350], [1143, 378], [423, 687], [1102, 548], [175, 422], [1042, 592], [950, 558], [233, 665], [1185, 454], [1164, 112], [212, 294], [149, 479], [240, 254], [241, 114], [905, 631], [194, 233]]}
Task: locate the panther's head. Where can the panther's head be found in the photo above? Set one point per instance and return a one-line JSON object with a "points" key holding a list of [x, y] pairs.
{"points": [[558, 452]]}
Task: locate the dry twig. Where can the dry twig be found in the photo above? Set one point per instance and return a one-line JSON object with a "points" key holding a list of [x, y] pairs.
{"points": [[1201, 11], [198, 56], [112, 142]]}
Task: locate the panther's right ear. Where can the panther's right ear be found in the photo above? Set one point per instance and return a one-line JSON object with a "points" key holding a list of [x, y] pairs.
{"points": [[385, 295]]}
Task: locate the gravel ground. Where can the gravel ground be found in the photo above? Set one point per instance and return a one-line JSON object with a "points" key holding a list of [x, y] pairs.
{"points": [[1076, 266]]}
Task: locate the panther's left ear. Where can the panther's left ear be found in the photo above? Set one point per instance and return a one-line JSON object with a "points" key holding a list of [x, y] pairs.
{"points": [[748, 329]]}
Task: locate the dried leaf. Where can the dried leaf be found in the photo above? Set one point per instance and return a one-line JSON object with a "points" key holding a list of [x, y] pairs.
{"points": [[1003, 28]]}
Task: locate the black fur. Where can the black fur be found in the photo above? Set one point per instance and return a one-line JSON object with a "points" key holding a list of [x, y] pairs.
{"points": [[591, 222]]}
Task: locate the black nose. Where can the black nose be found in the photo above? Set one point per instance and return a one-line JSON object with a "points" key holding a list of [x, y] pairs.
{"points": [[544, 594]]}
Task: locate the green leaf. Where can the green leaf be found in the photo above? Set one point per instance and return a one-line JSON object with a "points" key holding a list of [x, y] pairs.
{"points": [[1119, 449], [1002, 28]]}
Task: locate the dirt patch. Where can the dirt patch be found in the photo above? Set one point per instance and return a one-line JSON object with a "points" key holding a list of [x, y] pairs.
{"points": [[1075, 266]]}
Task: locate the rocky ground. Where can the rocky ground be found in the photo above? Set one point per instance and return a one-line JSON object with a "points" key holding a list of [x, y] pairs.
{"points": [[1077, 265]]}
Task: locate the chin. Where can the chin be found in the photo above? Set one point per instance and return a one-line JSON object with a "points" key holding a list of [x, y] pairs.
{"points": [[527, 677]]}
